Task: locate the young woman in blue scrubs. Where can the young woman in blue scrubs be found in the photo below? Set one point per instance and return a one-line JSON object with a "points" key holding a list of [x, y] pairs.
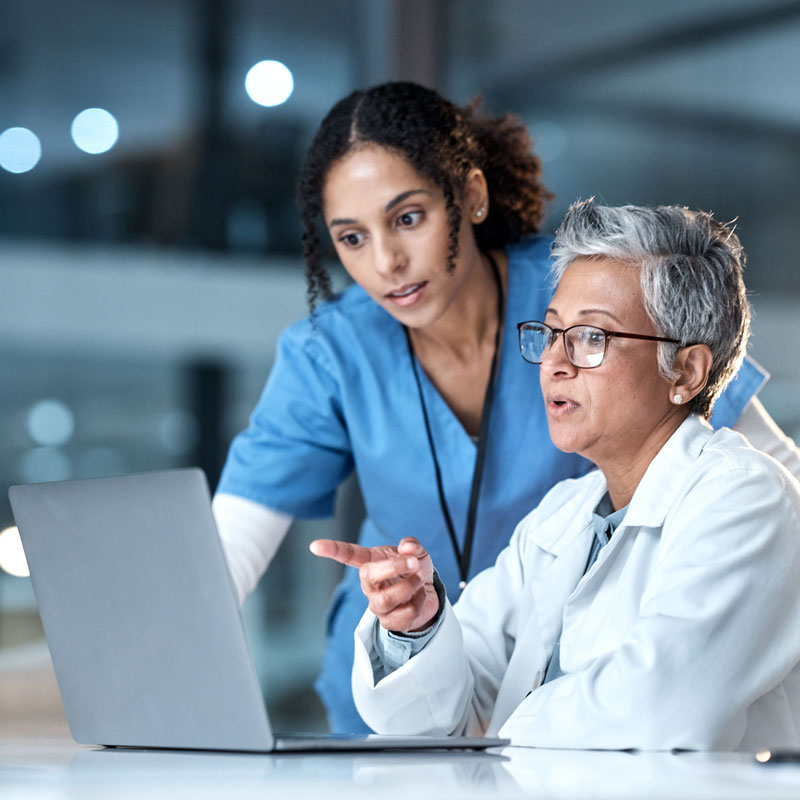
{"points": [[412, 376]]}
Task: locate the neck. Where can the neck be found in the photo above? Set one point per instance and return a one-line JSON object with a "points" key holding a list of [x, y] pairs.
{"points": [[624, 470], [470, 321]]}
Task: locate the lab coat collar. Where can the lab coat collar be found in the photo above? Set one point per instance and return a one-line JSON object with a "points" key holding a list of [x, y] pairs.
{"points": [[651, 501], [662, 481], [574, 513]]}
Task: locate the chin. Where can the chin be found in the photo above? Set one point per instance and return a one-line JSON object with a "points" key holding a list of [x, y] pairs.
{"points": [[569, 439], [415, 318], [566, 447], [563, 442]]}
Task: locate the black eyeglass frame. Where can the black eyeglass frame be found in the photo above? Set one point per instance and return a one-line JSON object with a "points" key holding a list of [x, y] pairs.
{"points": [[556, 332]]}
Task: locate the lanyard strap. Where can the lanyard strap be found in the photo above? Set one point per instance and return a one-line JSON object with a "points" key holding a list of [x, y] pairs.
{"points": [[463, 557]]}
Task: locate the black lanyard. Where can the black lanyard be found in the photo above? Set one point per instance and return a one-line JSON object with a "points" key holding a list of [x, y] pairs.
{"points": [[463, 557]]}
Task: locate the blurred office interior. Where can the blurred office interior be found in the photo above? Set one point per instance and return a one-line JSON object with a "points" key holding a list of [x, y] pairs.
{"points": [[149, 242]]}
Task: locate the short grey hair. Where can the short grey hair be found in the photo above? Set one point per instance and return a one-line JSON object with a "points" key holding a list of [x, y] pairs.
{"points": [[691, 277]]}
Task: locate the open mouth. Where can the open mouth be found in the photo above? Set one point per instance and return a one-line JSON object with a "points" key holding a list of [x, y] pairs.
{"points": [[407, 295], [406, 291], [561, 404]]}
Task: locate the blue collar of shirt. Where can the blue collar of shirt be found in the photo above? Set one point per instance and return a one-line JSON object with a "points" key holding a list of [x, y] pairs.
{"points": [[606, 520]]}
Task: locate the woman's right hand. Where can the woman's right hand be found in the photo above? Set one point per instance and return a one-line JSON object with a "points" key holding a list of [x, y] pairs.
{"points": [[397, 581]]}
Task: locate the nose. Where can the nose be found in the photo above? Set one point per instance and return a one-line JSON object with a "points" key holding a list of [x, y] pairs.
{"points": [[554, 358], [389, 256]]}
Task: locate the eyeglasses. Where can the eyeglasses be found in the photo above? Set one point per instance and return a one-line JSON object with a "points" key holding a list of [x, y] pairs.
{"points": [[585, 345]]}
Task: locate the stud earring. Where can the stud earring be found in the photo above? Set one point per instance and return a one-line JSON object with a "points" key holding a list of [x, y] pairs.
{"points": [[677, 399], [480, 212]]}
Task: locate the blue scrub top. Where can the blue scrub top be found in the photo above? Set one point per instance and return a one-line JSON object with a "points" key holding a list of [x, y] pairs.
{"points": [[342, 396]]}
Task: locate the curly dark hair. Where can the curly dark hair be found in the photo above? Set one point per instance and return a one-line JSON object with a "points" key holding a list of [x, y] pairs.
{"points": [[442, 141]]}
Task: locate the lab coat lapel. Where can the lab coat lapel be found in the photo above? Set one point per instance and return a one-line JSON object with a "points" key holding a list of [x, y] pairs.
{"points": [[656, 493], [564, 540], [550, 590]]}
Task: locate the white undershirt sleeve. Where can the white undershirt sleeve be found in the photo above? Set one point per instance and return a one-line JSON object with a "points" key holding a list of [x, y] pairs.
{"points": [[250, 535], [763, 433]]}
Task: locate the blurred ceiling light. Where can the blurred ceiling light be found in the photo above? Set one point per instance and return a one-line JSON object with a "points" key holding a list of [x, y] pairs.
{"points": [[50, 423], [20, 150], [269, 83], [12, 556], [94, 130]]}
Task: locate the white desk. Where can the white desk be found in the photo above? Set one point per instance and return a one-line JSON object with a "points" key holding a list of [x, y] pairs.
{"points": [[41, 769]]}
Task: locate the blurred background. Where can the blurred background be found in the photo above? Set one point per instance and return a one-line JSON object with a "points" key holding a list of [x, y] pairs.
{"points": [[149, 241]]}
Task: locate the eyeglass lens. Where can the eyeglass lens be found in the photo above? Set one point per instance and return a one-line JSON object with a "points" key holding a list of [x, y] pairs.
{"points": [[585, 345]]}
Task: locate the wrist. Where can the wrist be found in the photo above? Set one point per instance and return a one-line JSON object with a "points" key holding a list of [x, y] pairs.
{"points": [[427, 627]]}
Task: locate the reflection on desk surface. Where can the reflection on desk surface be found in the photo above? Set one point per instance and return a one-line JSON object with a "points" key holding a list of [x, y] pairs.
{"points": [[615, 774], [511, 772], [362, 769]]}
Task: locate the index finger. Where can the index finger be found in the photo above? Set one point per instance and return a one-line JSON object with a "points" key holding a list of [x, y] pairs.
{"points": [[352, 555]]}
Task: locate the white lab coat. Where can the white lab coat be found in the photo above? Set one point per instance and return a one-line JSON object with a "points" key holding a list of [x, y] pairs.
{"points": [[685, 633]]}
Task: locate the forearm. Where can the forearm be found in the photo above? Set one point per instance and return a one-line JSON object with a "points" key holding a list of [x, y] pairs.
{"points": [[429, 694], [250, 534]]}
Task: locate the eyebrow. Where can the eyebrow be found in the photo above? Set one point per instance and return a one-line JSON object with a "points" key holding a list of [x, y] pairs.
{"points": [[399, 199], [387, 208], [587, 311]]}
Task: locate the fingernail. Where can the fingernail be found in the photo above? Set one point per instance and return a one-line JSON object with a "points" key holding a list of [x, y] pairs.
{"points": [[411, 563]]}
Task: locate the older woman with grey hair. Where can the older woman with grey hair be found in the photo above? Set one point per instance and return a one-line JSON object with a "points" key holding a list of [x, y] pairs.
{"points": [[650, 604]]}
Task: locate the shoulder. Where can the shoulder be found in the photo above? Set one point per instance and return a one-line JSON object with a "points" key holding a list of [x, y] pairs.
{"points": [[532, 252], [727, 453], [529, 268], [726, 450], [731, 486], [699, 467], [745, 385], [338, 329], [331, 318]]}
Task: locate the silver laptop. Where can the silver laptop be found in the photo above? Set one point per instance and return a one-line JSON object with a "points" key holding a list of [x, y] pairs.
{"points": [[143, 624]]}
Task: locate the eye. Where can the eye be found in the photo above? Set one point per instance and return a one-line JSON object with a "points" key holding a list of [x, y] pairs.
{"points": [[594, 337], [409, 218], [351, 239]]}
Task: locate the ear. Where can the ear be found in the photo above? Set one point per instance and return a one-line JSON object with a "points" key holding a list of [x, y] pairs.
{"points": [[692, 365], [476, 196]]}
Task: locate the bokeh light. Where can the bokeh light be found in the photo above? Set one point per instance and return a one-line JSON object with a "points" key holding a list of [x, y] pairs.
{"points": [[12, 556], [50, 423], [269, 83], [20, 150], [95, 130]]}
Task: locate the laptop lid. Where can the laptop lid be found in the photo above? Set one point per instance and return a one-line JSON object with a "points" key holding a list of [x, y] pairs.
{"points": [[140, 613]]}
